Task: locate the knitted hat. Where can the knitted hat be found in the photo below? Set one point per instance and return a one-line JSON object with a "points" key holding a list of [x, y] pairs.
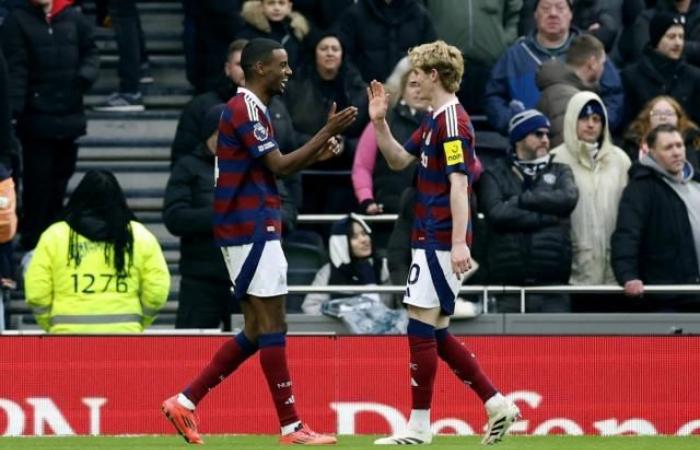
{"points": [[660, 23], [526, 122], [592, 107], [210, 123]]}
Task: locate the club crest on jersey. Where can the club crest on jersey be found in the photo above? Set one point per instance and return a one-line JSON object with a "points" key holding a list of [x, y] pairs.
{"points": [[549, 178], [453, 152], [260, 132]]}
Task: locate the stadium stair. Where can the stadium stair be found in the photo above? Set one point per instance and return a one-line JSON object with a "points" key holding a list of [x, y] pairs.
{"points": [[136, 146]]}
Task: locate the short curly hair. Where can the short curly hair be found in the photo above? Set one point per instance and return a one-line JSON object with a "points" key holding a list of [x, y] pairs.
{"points": [[445, 58]]}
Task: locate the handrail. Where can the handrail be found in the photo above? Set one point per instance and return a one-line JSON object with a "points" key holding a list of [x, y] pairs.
{"points": [[19, 306], [329, 218]]}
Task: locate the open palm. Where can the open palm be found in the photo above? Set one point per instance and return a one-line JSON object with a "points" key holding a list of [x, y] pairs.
{"points": [[378, 100]]}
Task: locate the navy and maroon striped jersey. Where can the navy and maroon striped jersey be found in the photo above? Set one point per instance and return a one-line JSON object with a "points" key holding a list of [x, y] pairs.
{"points": [[444, 143], [246, 200]]}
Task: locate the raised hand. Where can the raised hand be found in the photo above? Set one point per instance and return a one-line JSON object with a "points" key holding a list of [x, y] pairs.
{"points": [[340, 121], [378, 100]]}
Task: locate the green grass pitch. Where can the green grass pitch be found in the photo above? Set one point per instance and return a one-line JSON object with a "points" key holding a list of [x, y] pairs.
{"points": [[352, 442]]}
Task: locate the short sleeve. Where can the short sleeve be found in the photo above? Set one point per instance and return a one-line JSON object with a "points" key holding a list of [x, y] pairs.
{"points": [[458, 150], [252, 127]]}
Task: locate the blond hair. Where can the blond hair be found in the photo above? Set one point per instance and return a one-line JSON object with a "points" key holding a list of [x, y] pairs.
{"points": [[445, 59]]}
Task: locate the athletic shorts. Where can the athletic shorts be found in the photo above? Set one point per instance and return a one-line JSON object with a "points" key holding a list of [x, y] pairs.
{"points": [[431, 282], [258, 269]]}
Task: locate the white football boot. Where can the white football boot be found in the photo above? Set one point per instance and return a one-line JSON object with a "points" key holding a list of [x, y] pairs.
{"points": [[502, 414], [408, 437]]}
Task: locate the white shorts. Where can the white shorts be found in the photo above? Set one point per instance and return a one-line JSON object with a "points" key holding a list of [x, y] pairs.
{"points": [[258, 269], [431, 282]]}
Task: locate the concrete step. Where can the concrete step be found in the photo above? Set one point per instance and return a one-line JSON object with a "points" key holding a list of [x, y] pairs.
{"points": [[127, 132], [167, 82], [123, 154], [125, 166], [142, 185], [148, 114], [157, 43], [173, 62], [158, 101]]}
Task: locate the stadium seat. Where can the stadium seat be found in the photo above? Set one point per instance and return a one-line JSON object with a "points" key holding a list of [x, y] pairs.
{"points": [[304, 261]]}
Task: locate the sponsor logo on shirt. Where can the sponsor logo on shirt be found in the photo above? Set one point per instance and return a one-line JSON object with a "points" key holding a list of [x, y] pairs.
{"points": [[453, 152]]}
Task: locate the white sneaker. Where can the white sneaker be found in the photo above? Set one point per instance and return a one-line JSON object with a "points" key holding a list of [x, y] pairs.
{"points": [[501, 418], [408, 437]]}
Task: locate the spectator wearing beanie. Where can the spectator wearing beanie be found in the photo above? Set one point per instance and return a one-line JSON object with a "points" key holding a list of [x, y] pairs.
{"points": [[600, 170], [635, 36], [527, 199], [661, 70]]}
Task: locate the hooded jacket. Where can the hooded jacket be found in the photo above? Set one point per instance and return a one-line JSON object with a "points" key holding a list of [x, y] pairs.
{"points": [[290, 32], [653, 240], [376, 35], [91, 298], [52, 60], [558, 83], [513, 78], [346, 269], [600, 183]]}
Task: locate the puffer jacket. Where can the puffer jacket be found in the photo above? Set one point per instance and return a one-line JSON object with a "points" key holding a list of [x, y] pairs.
{"points": [[52, 60], [529, 230]]}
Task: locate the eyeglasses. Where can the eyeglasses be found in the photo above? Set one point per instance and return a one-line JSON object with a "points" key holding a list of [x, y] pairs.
{"points": [[540, 134], [662, 113]]}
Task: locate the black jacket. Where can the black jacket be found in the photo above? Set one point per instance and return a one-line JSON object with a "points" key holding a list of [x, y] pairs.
{"points": [[51, 65], [529, 230], [188, 210], [7, 142], [308, 101], [653, 241], [376, 35], [654, 75]]}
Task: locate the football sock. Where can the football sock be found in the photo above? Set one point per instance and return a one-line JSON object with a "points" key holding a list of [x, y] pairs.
{"points": [[419, 420], [464, 364], [421, 340], [273, 359], [227, 359]]}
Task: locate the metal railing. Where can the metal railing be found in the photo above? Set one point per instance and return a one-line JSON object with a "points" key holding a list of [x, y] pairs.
{"points": [[330, 218], [20, 307], [522, 291]]}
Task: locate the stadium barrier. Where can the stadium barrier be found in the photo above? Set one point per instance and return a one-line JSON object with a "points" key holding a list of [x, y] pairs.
{"points": [[351, 385]]}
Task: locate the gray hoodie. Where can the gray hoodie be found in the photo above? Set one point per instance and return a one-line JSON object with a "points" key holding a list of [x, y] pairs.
{"points": [[686, 188]]}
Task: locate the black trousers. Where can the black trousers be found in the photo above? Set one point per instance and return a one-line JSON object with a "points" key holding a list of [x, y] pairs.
{"points": [[205, 303], [131, 45], [48, 164]]}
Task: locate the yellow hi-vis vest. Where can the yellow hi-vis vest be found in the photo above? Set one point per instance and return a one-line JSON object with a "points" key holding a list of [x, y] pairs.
{"points": [[91, 298]]}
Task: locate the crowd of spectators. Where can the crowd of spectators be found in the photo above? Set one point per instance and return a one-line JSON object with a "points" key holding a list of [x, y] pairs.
{"points": [[603, 75]]}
